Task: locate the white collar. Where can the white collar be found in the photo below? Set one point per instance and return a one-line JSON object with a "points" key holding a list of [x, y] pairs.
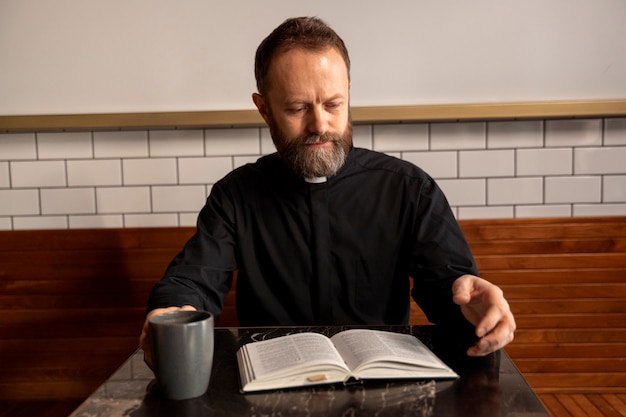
{"points": [[316, 180]]}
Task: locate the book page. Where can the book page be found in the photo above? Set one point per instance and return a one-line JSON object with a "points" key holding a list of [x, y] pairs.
{"points": [[282, 353], [361, 346]]}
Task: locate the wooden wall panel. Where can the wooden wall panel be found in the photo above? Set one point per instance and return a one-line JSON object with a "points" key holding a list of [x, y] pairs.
{"points": [[73, 301], [565, 280]]}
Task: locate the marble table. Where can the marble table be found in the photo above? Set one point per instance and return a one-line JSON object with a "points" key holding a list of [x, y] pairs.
{"points": [[490, 386]]}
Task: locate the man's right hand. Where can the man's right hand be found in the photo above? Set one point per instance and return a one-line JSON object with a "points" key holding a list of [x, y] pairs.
{"points": [[144, 339]]}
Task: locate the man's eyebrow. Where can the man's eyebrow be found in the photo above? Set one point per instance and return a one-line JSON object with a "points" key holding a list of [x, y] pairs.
{"points": [[297, 101], [338, 96]]}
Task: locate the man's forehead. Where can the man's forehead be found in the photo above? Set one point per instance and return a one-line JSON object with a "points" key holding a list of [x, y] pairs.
{"points": [[299, 52]]}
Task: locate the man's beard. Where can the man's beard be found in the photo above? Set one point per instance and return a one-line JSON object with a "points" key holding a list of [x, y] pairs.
{"points": [[311, 161]]}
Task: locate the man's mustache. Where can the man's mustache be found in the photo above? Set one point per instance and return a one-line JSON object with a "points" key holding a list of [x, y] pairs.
{"points": [[313, 139]]}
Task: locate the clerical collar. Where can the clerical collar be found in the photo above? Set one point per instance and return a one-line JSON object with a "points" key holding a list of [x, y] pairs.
{"points": [[315, 180]]}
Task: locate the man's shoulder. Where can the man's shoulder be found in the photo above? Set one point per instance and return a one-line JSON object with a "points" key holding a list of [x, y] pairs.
{"points": [[378, 161], [252, 169]]}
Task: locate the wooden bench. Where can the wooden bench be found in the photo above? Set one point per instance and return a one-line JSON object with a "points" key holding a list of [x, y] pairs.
{"points": [[73, 301], [565, 280]]}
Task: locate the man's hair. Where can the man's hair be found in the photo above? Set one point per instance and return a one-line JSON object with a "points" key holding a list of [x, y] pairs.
{"points": [[310, 33]]}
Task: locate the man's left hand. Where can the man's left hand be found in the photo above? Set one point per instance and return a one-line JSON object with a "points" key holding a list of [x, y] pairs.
{"points": [[483, 304]]}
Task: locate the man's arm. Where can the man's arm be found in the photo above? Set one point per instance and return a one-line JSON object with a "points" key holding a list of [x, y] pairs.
{"points": [[200, 276], [447, 286]]}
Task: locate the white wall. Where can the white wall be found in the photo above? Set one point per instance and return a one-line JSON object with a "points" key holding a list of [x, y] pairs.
{"points": [[91, 56], [554, 168], [94, 56]]}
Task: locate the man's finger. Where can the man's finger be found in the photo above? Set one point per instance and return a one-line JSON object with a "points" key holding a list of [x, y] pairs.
{"points": [[462, 290]]}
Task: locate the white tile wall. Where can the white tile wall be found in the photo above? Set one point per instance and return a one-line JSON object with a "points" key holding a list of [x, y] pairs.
{"points": [[176, 143], [504, 212], [464, 192], [94, 172], [38, 174], [149, 171], [447, 136], [544, 161], [151, 220], [68, 201], [96, 221], [5, 181], [178, 198], [491, 163], [615, 131], [574, 133], [40, 223], [206, 170], [187, 219], [267, 146], [402, 137], [361, 136], [614, 188], [514, 190], [123, 144], [573, 190], [141, 178], [17, 146], [442, 164], [556, 210], [64, 145], [518, 134], [610, 160], [123, 200], [581, 210], [232, 141], [19, 202], [6, 223]]}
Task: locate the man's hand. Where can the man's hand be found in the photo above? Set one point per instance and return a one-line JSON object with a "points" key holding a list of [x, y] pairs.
{"points": [[144, 339], [484, 305]]}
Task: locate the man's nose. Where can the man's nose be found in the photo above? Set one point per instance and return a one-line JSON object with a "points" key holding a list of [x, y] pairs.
{"points": [[318, 121]]}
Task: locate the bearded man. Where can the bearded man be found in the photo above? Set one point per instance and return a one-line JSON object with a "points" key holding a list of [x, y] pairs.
{"points": [[322, 233]]}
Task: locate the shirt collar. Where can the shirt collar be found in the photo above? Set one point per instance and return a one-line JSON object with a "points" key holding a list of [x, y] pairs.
{"points": [[316, 180]]}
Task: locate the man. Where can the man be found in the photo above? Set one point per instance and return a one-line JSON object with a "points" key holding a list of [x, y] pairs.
{"points": [[322, 233]]}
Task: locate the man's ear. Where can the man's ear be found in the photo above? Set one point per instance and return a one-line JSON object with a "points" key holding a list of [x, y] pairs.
{"points": [[259, 102]]}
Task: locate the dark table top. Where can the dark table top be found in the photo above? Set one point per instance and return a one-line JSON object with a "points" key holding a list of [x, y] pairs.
{"points": [[489, 386]]}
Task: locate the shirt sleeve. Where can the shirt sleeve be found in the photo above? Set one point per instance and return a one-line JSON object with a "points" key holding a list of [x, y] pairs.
{"points": [[440, 255], [201, 274]]}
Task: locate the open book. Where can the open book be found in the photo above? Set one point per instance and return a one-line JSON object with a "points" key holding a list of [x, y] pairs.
{"points": [[303, 359]]}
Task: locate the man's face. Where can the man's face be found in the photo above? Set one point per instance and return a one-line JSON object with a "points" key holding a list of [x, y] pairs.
{"points": [[307, 110]]}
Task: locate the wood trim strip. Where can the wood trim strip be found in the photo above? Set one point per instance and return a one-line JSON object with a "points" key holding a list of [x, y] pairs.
{"points": [[360, 115], [491, 111]]}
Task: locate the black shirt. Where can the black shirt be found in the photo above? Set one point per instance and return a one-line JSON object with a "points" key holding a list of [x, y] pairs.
{"points": [[335, 252]]}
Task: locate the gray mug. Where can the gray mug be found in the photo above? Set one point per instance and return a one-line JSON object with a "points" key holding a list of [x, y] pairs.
{"points": [[182, 352]]}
